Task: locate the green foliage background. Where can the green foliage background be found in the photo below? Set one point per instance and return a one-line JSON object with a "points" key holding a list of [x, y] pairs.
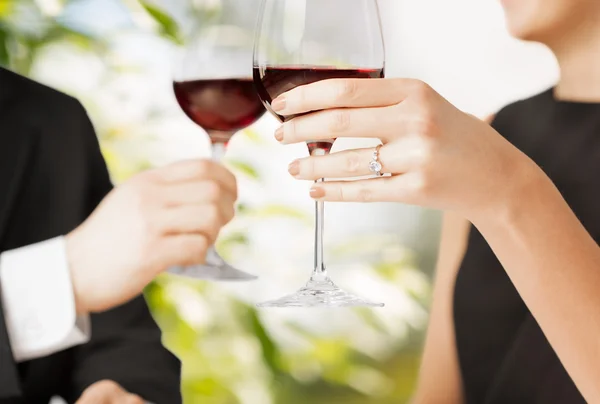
{"points": [[233, 353]]}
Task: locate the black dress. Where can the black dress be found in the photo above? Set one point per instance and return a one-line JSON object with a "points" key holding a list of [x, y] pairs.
{"points": [[503, 354]]}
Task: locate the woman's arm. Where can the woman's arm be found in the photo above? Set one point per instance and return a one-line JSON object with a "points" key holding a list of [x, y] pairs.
{"points": [[555, 265], [442, 158], [439, 378]]}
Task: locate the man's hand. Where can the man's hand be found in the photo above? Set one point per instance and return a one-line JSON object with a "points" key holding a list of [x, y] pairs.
{"points": [[161, 218], [108, 392]]}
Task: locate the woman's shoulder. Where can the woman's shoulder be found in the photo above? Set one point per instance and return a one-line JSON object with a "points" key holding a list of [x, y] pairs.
{"points": [[524, 106], [519, 120]]}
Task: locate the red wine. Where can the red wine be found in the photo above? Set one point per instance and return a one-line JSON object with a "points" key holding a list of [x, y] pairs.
{"points": [[273, 81], [224, 106]]}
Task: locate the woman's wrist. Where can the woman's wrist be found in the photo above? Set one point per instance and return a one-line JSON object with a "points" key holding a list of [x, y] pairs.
{"points": [[525, 187]]}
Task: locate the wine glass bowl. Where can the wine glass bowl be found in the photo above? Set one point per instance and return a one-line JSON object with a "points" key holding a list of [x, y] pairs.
{"points": [[272, 81], [213, 85], [220, 106], [299, 42]]}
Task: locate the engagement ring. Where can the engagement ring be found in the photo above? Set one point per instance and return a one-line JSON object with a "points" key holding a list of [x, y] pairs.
{"points": [[375, 165]]}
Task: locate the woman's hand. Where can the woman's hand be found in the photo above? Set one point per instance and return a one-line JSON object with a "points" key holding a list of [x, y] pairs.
{"points": [[437, 155]]}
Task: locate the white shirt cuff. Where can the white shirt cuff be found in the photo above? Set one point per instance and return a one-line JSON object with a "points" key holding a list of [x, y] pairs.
{"points": [[37, 296]]}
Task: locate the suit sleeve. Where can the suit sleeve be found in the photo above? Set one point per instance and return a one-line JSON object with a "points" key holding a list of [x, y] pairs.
{"points": [[125, 345], [9, 376]]}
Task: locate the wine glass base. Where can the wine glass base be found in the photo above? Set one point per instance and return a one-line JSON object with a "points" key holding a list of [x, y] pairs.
{"points": [[320, 293], [215, 269]]}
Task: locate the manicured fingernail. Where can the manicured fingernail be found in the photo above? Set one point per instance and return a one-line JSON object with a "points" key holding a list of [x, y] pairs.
{"points": [[278, 104], [294, 168], [317, 193], [279, 133]]}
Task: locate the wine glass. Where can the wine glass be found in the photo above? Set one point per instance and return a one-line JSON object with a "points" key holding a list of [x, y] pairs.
{"points": [[299, 42], [213, 86]]}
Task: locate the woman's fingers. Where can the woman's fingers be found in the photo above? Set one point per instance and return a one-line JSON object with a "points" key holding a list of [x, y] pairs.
{"points": [[397, 157], [406, 188], [382, 123], [350, 163], [376, 109], [344, 93], [371, 190]]}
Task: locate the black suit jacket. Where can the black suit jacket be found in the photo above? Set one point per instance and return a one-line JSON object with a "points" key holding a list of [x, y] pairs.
{"points": [[52, 176]]}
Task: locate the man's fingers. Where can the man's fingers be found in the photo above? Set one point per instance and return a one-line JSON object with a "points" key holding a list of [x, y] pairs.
{"points": [[344, 93], [102, 392], [183, 250], [197, 170], [129, 399], [205, 219], [195, 193]]}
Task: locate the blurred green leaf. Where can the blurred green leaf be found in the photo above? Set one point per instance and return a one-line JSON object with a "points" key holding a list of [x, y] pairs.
{"points": [[269, 348], [28, 44], [168, 26], [242, 208], [252, 135], [226, 244], [208, 391], [234, 238], [388, 270], [4, 55], [244, 168], [371, 319], [6, 7]]}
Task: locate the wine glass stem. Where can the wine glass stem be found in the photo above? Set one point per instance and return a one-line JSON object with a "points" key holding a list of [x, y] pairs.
{"points": [[319, 272], [218, 151], [217, 154]]}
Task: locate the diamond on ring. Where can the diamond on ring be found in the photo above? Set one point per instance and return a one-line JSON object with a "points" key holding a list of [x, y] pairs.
{"points": [[375, 165]]}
